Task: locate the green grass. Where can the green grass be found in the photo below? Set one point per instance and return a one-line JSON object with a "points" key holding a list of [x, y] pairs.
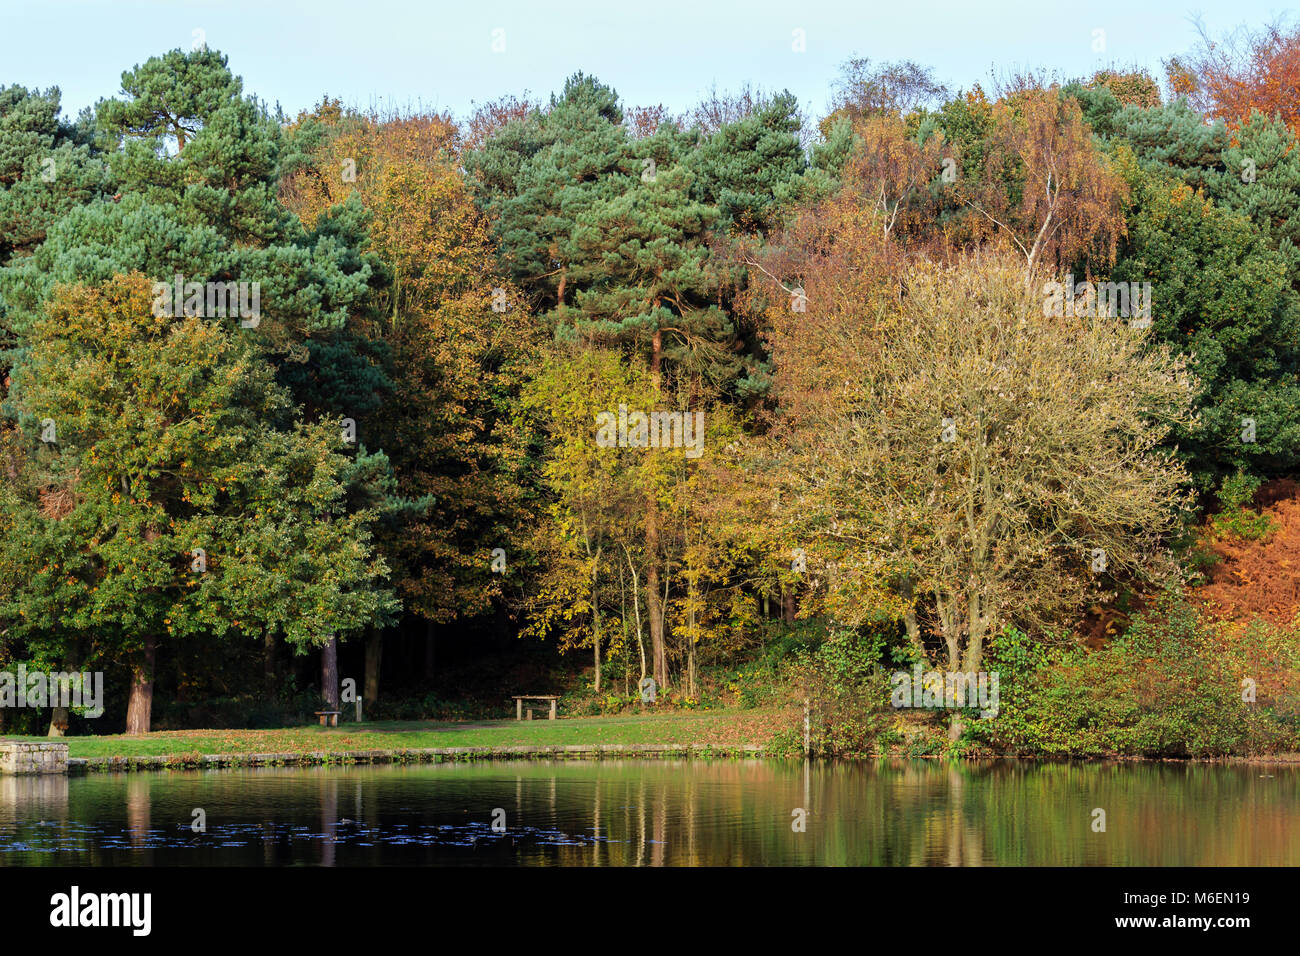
{"points": [[714, 728]]}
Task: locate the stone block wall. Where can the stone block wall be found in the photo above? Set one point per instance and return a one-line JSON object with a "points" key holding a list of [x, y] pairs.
{"points": [[25, 757]]}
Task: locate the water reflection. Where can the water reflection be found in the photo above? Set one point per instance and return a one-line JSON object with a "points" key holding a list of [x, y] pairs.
{"points": [[663, 813]]}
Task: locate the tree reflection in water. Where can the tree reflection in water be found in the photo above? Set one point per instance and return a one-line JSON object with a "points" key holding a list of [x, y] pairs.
{"points": [[665, 813]]}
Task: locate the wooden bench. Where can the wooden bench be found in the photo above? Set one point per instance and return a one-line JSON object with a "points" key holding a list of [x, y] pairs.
{"points": [[519, 704], [331, 715]]}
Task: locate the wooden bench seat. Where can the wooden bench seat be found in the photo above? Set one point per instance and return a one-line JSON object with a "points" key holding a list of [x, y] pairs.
{"points": [[519, 704]]}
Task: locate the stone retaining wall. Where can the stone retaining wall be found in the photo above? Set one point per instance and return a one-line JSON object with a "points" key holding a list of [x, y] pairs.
{"points": [[24, 757], [411, 755]]}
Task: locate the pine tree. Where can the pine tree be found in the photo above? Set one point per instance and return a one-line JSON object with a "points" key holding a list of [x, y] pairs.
{"points": [[746, 168], [1223, 295], [1262, 182], [208, 212]]}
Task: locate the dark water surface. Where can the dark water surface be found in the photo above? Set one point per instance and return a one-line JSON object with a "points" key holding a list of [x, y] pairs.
{"points": [[662, 812]]}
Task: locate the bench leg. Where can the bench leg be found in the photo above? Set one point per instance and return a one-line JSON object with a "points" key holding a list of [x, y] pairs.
{"points": [[334, 720], [530, 713], [322, 720], [552, 710], [519, 710]]}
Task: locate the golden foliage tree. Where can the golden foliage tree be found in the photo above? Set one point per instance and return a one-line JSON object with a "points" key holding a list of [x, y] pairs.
{"points": [[991, 455]]}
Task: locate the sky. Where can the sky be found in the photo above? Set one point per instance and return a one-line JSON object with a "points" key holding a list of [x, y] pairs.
{"points": [[449, 55]]}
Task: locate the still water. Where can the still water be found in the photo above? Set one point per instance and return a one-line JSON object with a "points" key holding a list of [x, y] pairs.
{"points": [[662, 813]]}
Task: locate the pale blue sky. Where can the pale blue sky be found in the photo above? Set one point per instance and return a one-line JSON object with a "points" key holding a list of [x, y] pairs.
{"points": [[440, 54]]}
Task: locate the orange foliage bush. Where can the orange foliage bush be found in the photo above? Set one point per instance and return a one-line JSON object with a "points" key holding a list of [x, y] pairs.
{"points": [[1260, 578]]}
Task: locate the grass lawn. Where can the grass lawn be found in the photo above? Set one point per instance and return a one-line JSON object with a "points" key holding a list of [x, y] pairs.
{"points": [[708, 728]]}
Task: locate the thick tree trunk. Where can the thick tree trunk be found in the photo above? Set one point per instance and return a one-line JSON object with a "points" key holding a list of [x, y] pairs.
{"points": [[59, 719], [329, 674], [58, 722], [374, 658], [139, 706]]}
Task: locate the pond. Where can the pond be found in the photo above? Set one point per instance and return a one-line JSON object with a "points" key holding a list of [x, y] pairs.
{"points": [[663, 813]]}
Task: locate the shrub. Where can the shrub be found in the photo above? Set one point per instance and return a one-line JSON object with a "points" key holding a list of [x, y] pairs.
{"points": [[1236, 519], [848, 690], [1171, 686]]}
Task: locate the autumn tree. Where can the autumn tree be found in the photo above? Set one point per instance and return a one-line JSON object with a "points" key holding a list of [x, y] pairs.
{"points": [[893, 168], [611, 236], [1043, 186], [896, 89], [1129, 87], [451, 333], [991, 453], [1244, 71], [595, 494]]}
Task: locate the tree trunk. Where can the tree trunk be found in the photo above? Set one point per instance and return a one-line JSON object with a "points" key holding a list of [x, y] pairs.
{"points": [[654, 609], [949, 626], [636, 609], [329, 674], [909, 618], [622, 599], [59, 719], [690, 648], [978, 628], [787, 604], [58, 722], [139, 706], [374, 658], [956, 724], [268, 663], [595, 609]]}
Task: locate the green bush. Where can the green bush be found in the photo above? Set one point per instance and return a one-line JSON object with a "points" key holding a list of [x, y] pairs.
{"points": [[848, 689], [1171, 686], [1235, 518]]}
